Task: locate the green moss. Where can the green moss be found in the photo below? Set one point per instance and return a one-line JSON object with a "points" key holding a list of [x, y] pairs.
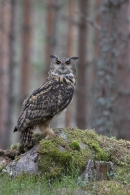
{"points": [[64, 158], [100, 153], [53, 160], [37, 137], [16, 158], [71, 148], [90, 138], [75, 145], [15, 146]]}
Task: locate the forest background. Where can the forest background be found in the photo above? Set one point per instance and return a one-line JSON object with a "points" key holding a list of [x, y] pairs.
{"points": [[97, 31]]}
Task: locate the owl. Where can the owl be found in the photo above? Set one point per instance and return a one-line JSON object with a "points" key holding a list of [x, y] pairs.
{"points": [[48, 100]]}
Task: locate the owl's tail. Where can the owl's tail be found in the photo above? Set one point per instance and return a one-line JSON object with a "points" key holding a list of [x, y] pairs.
{"points": [[26, 137]]}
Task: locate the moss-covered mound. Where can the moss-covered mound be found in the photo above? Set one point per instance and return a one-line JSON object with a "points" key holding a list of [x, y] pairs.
{"points": [[69, 151], [63, 159]]}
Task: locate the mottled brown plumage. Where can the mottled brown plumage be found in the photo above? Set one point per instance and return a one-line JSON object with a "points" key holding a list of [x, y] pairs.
{"points": [[48, 100]]}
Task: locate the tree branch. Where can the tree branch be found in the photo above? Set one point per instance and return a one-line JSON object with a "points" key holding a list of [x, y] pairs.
{"points": [[89, 20], [69, 19], [123, 45]]}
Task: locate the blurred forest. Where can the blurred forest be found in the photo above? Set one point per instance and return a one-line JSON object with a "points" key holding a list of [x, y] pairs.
{"points": [[97, 31]]}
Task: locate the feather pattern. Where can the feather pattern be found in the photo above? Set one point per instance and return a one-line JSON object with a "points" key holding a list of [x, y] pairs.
{"points": [[46, 101]]}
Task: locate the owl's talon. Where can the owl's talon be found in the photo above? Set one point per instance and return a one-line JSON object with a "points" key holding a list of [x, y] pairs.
{"points": [[49, 133]]}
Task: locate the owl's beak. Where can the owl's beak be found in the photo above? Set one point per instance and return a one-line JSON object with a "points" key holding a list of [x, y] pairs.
{"points": [[62, 66]]}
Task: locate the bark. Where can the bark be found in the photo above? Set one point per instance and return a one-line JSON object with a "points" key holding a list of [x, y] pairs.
{"points": [[104, 121], [91, 39], [81, 114], [123, 76], [52, 40], [26, 46], [53, 8], [12, 66], [68, 114], [4, 71], [49, 31]]}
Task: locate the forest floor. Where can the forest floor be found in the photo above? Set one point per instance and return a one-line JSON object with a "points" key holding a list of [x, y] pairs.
{"points": [[32, 185], [79, 146]]}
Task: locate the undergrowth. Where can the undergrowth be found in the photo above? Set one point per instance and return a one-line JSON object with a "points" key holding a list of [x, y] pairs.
{"points": [[68, 185]]}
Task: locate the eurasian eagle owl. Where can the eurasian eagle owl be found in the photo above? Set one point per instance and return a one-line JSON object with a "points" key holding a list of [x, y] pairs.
{"points": [[48, 100]]}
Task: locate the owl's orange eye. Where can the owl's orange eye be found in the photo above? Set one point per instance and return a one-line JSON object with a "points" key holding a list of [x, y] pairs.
{"points": [[57, 62], [68, 63]]}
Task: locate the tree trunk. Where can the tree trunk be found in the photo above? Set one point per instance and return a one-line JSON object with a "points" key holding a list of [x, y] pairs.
{"points": [[52, 19], [123, 76], [91, 39], [4, 71], [26, 46], [49, 30], [68, 114], [52, 16], [81, 83], [104, 121], [12, 66]]}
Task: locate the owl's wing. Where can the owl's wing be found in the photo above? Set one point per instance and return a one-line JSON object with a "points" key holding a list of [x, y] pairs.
{"points": [[45, 102], [40, 90]]}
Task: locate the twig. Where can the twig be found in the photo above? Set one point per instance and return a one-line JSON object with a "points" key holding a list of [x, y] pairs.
{"points": [[89, 20], [123, 45], [69, 19], [123, 93]]}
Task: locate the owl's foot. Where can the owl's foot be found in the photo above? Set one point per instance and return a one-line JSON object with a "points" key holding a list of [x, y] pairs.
{"points": [[49, 133]]}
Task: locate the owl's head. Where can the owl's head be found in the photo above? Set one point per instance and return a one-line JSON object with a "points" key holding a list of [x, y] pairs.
{"points": [[62, 66]]}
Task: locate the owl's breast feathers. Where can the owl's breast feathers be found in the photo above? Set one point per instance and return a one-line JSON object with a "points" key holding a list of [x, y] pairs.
{"points": [[46, 101]]}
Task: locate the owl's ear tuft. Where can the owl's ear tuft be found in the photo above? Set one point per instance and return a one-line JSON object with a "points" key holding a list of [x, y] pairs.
{"points": [[74, 58], [53, 56]]}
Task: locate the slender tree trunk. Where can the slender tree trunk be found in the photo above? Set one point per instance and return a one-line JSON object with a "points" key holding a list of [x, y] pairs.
{"points": [[91, 38], [11, 66], [81, 83], [53, 7], [4, 71], [49, 30], [68, 114], [52, 19], [26, 46]]}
